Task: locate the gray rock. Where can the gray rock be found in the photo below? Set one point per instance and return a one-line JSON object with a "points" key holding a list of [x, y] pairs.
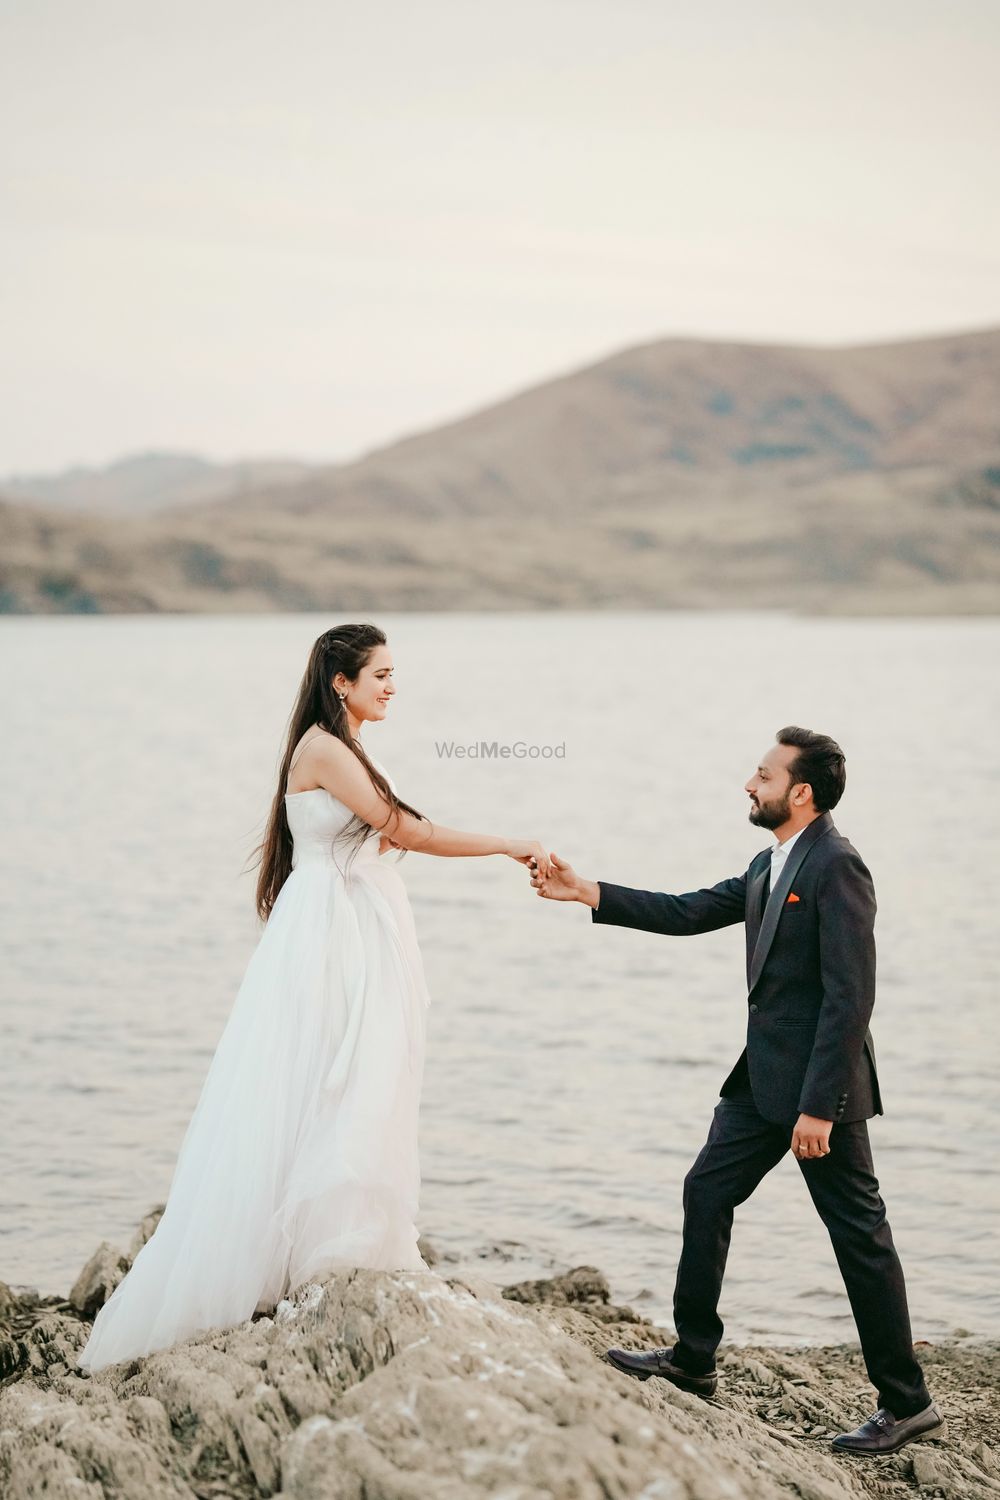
{"points": [[144, 1231], [418, 1386], [8, 1302], [98, 1279], [12, 1354], [375, 1384], [984, 1456], [585, 1287], [930, 1469], [428, 1251]]}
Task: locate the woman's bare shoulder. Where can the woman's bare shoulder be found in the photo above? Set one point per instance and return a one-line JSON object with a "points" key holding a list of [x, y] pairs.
{"points": [[317, 751], [320, 741]]}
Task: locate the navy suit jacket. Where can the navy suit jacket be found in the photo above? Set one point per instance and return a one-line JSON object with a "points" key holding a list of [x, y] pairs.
{"points": [[810, 971]]}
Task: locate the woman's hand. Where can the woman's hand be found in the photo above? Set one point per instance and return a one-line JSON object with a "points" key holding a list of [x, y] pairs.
{"points": [[529, 852]]}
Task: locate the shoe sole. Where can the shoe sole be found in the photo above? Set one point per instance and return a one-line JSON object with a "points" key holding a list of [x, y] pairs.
{"points": [[930, 1435], [682, 1383]]}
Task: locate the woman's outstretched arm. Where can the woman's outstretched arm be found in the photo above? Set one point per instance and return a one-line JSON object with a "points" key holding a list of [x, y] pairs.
{"points": [[338, 769]]}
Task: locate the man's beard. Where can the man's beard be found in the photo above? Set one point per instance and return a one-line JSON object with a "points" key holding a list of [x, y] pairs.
{"points": [[773, 814]]}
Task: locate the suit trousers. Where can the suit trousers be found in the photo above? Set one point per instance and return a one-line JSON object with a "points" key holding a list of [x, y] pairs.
{"points": [[741, 1149]]}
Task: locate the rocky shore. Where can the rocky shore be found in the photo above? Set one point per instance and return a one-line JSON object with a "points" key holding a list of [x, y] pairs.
{"points": [[426, 1386]]}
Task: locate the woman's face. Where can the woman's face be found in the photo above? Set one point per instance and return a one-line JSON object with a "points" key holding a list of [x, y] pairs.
{"points": [[368, 697]]}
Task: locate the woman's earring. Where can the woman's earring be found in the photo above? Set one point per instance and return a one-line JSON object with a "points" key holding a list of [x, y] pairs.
{"points": [[342, 697]]}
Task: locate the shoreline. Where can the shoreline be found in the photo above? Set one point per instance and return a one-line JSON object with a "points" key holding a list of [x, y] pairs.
{"points": [[429, 1385]]}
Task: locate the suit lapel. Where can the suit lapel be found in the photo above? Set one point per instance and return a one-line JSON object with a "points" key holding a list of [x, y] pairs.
{"points": [[769, 923], [755, 900]]}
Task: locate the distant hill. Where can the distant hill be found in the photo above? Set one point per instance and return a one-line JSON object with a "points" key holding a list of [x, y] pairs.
{"points": [[144, 482], [685, 473]]}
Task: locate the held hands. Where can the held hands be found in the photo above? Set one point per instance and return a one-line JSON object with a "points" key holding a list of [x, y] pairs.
{"points": [[529, 852], [560, 884], [811, 1137]]}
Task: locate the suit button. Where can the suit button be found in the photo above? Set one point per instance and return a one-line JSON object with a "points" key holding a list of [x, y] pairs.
{"points": [[754, 1009]]}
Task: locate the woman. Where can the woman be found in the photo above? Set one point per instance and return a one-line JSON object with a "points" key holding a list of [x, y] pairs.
{"points": [[301, 1154]]}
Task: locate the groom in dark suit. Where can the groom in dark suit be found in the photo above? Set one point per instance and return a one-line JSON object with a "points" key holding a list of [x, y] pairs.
{"points": [[805, 1080]]}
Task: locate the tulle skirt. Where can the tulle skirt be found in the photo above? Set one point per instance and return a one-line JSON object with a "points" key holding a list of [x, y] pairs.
{"points": [[301, 1155]]}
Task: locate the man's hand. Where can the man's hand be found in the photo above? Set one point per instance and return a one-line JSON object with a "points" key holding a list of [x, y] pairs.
{"points": [[563, 884], [811, 1137]]}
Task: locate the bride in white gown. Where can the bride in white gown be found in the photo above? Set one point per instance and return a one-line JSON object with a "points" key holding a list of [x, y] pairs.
{"points": [[301, 1154]]}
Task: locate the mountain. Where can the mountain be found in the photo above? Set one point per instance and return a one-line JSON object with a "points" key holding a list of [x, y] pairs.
{"points": [[685, 473], [687, 415]]}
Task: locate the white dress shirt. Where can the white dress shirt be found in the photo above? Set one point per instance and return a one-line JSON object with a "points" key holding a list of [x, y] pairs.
{"points": [[779, 854]]}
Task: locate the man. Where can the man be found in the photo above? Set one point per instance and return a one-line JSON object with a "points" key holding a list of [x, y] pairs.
{"points": [[806, 1078]]}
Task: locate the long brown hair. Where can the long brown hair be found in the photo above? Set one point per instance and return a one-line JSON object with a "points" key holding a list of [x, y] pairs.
{"points": [[345, 648]]}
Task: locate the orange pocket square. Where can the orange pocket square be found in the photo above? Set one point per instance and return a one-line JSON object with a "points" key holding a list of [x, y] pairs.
{"points": [[792, 897]]}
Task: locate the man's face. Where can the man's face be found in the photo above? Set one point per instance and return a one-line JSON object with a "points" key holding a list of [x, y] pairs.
{"points": [[770, 788]]}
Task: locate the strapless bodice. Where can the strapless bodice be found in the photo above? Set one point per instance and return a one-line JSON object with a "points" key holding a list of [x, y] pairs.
{"points": [[316, 819]]}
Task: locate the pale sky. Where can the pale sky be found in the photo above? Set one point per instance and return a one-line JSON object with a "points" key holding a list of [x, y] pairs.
{"points": [[306, 227]]}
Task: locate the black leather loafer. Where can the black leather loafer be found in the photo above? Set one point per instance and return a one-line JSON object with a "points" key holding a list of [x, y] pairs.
{"points": [[881, 1433], [660, 1362]]}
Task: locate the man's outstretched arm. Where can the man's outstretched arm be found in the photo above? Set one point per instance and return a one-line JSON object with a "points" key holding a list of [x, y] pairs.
{"points": [[651, 911]]}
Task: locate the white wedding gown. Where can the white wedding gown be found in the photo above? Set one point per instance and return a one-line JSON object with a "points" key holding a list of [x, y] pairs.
{"points": [[301, 1154]]}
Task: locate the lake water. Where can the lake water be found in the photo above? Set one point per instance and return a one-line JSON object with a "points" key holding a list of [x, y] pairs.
{"points": [[572, 1070]]}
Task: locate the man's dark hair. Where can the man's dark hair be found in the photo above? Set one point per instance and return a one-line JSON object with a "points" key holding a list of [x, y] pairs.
{"points": [[820, 762]]}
